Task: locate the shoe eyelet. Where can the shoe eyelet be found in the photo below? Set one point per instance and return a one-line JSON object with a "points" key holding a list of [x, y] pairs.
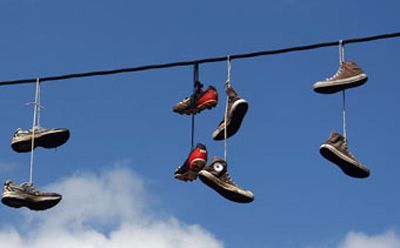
{"points": [[218, 167]]}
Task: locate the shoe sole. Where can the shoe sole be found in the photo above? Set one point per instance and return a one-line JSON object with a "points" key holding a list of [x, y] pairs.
{"points": [[347, 166], [206, 105], [39, 204], [191, 174], [48, 140], [226, 190], [331, 87], [238, 111]]}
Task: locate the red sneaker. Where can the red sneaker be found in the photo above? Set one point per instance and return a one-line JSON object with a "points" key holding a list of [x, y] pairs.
{"points": [[197, 102], [195, 162]]}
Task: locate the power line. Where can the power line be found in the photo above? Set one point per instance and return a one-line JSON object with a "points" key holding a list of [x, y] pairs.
{"points": [[202, 61]]}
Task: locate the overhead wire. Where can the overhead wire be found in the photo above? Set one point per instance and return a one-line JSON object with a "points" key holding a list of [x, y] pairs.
{"points": [[201, 61]]}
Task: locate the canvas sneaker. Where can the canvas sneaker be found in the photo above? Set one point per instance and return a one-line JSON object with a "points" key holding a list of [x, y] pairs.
{"points": [[217, 177], [349, 75], [47, 138], [237, 109], [25, 195], [198, 101], [335, 149], [195, 162]]}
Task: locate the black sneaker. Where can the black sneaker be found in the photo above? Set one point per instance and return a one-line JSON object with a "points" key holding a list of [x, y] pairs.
{"points": [[46, 138], [335, 149], [217, 177], [237, 109], [25, 195]]}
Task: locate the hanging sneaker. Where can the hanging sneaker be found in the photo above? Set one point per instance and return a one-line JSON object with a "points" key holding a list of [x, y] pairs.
{"points": [[349, 75], [198, 101], [335, 149], [195, 162], [216, 176], [25, 195], [237, 109], [47, 138]]}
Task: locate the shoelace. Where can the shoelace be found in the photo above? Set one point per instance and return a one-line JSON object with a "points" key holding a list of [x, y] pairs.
{"points": [[29, 188], [227, 178], [336, 74], [346, 148]]}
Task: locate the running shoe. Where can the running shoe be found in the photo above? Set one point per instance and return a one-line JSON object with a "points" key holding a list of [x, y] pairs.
{"points": [[46, 138], [25, 195], [198, 101]]}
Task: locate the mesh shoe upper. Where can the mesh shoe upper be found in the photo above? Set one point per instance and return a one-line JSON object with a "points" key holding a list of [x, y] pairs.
{"points": [[336, 150], [217, 177], [349, 75]]}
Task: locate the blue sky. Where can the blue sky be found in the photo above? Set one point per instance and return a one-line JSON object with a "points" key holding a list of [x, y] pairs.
{"points": [[116, 171]]}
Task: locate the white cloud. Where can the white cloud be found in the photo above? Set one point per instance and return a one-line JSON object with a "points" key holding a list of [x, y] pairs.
{"points": [[107, 210], [388, 239]]}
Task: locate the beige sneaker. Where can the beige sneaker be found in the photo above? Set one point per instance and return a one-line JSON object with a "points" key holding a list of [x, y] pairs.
{"points": [[349, 75], [47, 138], [25, 195]]}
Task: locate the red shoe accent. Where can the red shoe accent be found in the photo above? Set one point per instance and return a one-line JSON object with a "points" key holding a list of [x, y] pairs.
{"points": [[208, 99], [197, 158], [195, 162]]}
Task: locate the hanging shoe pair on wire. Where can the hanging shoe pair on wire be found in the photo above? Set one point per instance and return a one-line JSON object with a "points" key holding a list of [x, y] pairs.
{"points": [[25, 194], [335, 149], [215, 175]]}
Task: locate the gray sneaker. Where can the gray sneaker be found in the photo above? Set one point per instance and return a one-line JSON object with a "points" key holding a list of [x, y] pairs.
{"points": [[335, 149], [47, 138], [349, 75], [237, 109], [217, 177], [25, 195]]}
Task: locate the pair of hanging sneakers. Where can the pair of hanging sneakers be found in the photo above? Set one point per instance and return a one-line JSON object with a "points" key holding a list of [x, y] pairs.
{"points": [[216, 174], [25, 194], [335, 149]]}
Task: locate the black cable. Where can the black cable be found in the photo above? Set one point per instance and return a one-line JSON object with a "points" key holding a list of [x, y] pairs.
{"points": [[195, 86], [202, 61]]}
